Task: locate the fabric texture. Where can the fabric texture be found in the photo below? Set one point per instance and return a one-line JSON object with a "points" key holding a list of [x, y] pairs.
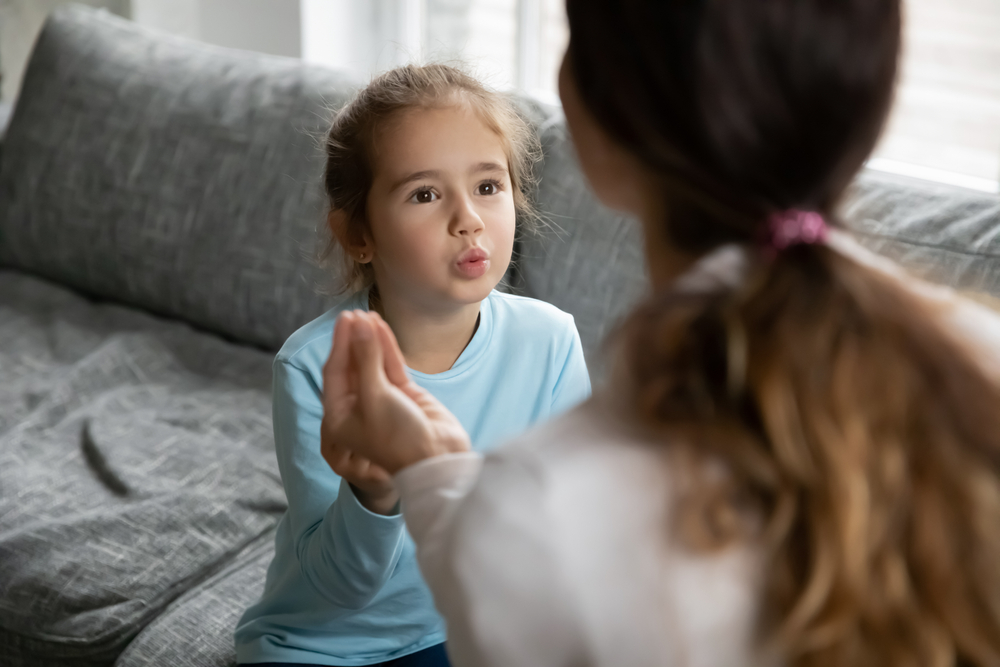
{"points": [[344, 588], [587, 259], [196, 630], [136, 459], [174, 176], [946, 234]]}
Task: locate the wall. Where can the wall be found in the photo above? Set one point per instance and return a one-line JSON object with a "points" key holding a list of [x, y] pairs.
{"points": [[270, 26], [20, 23]]}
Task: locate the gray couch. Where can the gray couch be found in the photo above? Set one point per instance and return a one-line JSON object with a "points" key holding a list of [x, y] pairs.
{"points": [[159, 203]]}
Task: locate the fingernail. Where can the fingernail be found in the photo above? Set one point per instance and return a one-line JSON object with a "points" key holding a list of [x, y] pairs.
{"points": [[364, 332]]}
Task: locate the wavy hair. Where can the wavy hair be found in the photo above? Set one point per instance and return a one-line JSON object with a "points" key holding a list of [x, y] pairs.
{"points": [[846, 416]]}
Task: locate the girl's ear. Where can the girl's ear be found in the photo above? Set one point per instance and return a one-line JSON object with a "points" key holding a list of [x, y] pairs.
{"points": [[359, 246]]}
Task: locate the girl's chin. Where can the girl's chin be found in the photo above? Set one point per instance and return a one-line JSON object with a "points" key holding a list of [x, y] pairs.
{"points": [[470, 291]]}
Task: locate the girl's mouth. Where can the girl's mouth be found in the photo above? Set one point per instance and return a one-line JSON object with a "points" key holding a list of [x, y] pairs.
{"points": [[473, 263]]}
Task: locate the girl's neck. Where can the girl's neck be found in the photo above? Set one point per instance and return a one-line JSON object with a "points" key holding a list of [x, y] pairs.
{"points": [[430, 343]]}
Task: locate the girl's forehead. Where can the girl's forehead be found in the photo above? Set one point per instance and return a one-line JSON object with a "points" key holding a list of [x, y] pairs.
{"points": [[451, 133]]}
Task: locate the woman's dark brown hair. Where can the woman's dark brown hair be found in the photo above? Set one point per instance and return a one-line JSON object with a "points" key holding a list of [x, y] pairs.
{"points": [[861, 431]]}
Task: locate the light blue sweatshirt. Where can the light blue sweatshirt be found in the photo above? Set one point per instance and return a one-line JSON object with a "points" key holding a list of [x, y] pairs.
{"points": [[344, 587]]}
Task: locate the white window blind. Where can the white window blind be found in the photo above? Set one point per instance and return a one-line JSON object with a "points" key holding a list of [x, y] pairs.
{"points": [[507, 43], [945, 125]]}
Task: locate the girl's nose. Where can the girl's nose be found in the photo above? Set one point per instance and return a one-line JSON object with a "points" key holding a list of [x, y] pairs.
{"points": [[465, 219]]}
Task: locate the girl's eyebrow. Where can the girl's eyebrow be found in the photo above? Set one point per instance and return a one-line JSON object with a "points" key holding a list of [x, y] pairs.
{"points": [[415, 176], [488, 166], [434, 173]]}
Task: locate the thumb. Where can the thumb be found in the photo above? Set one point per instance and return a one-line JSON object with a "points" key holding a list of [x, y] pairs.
{"points": [[367, 354]]}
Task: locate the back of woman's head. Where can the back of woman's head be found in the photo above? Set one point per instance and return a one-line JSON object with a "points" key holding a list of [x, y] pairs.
{"points": [[352, 144], [860, 428]]}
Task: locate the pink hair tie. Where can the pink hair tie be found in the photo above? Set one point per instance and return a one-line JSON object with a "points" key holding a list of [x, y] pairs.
{"points": [[792, 227]]}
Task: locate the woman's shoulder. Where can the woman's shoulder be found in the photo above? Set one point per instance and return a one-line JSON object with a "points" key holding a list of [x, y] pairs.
{"points": [[592, 493], [590, 443]]}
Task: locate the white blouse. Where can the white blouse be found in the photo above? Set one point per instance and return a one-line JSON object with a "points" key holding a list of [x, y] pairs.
{"points": [[557, 550]]}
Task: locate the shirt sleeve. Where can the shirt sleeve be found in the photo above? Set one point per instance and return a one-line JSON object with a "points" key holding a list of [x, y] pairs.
{"points": [[573, 384], [485, 548], [346, 552]]}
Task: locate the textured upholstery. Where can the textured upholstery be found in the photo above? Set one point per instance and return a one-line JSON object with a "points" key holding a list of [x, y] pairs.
{"points": [[170, 175], [197, 630], [136, 459], [947, 234], [587, 260]]}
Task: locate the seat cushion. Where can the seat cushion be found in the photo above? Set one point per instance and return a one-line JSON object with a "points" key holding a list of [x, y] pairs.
{"points": [[197, 629], [171, 175], [136, 460]]}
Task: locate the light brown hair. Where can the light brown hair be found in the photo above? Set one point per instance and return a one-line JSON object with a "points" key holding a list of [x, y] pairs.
{"points": [[862, 433], [351, 145]]}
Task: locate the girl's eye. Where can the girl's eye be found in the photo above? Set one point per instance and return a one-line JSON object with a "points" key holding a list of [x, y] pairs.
{"points": [[423, 197], [489, 188]]}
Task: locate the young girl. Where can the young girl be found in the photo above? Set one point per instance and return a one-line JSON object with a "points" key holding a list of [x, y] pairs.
{"points": [[425, 173]]}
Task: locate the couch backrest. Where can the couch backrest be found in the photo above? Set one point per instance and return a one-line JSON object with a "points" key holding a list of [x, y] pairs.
{"points": [[185, 179], [948, 234], [171, 175], [588, 260]]}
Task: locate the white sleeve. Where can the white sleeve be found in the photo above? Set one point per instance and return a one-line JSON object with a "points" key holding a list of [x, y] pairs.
{"points": [[487, 549]]}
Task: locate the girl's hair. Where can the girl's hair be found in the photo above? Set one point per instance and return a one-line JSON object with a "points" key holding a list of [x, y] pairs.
{"points": [[351, 144], [863, 434]]}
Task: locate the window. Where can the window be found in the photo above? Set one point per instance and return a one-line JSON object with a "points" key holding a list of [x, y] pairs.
{"points": [[945, 124], [507, 43]]}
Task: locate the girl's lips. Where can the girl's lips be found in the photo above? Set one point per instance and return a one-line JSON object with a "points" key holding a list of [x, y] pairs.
{"points": [[473, 263]]}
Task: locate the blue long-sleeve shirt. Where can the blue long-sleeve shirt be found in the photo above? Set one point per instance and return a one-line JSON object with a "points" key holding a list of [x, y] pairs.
{"points": [[344, 587]]}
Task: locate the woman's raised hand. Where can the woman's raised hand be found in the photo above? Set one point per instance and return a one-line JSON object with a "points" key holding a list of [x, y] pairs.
{"points": [[371, 408]]}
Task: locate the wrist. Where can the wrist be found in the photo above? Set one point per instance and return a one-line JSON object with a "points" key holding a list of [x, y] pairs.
{"points": [[455, 444]]}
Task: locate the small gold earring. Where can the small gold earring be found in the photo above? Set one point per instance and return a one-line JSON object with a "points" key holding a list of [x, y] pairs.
{"points": [[361, 256]]}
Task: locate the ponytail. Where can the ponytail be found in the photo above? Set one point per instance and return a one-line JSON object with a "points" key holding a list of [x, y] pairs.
{"points": [[862, 448]]}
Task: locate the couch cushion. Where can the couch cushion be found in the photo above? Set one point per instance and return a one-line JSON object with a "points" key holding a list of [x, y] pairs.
{"points": [[947, 234], [197, 630], [136, 459], [171, 175]]}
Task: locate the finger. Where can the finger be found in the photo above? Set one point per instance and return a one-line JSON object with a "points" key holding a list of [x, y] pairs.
{"points": [[336, 382], [395, 365], [339, 460], [366, 352]]}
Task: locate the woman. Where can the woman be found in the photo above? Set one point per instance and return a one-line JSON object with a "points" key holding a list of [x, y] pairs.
{"points": [[797, 459]]}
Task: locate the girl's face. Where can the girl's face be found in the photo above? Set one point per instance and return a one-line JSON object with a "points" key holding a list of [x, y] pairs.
{"points": [[440, 210]]}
